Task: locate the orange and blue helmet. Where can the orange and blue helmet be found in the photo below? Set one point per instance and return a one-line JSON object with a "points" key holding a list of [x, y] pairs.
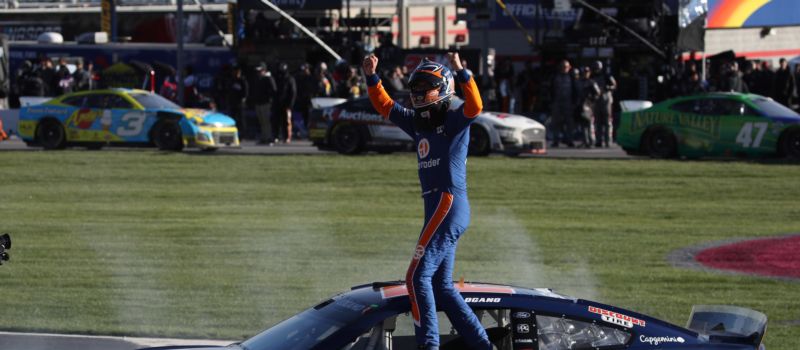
{"points": [[430, 83]]}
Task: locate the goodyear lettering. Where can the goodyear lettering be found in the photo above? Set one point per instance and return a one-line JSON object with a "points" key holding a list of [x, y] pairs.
{"points": [[617, 318], [482, 300], [429, 163]]}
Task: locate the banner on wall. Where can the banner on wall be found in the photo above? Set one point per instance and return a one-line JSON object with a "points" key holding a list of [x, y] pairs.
{"points": [[752, 13]]}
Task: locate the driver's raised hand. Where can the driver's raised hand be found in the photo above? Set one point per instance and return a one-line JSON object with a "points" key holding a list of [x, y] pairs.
{"points": [[370, 64]]}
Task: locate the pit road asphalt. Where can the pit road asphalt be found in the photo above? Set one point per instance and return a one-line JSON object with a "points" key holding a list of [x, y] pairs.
{"points": [[306, 148], [34, 341]]}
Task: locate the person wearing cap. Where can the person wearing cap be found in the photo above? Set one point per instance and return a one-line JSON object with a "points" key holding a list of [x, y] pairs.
{"points": [[440, 131], [263, 92]]}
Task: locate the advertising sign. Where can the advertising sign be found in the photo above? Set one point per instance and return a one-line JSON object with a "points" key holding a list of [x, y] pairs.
{"points": [[752, 13], [533, 14], [292, 4]]}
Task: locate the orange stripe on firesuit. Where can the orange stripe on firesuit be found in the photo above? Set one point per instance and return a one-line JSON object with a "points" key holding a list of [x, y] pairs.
{"points": [[445, 202], [473, 105], [380, 99]]}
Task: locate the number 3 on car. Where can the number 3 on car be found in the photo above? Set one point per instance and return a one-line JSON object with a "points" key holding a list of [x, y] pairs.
{"points": [[132, 124], [124, 117]]}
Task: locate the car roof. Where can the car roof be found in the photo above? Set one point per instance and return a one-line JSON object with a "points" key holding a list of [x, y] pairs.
{"points": [[390, 289]]}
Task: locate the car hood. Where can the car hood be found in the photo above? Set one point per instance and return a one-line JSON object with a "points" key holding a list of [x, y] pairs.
{"points": [[510, 120], [194, 347], [209, 117]]}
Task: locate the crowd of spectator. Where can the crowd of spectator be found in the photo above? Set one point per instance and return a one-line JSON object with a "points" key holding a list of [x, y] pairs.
{"points": [[577, 103], [272, 103], [45, 78]]}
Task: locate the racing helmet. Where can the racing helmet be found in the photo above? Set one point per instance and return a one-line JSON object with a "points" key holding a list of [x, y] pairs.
{"points": [[430, 83]]}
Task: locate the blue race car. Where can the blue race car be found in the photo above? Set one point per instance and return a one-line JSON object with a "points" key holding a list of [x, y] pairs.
{"points": [[377, 317], [123, 117]]}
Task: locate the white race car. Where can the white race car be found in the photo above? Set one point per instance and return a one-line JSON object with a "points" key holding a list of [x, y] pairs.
{"points": [[352, 127], [507, 133]]}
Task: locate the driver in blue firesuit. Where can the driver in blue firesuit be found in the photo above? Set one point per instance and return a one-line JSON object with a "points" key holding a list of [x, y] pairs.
{"points": [[441, 133]]}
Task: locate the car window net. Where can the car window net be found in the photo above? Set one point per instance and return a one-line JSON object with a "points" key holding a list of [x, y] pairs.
{"points": [[566, 334]]}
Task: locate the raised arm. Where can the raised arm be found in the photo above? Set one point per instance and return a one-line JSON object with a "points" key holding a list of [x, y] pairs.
{"points": [[473, 105], [377, 94]]}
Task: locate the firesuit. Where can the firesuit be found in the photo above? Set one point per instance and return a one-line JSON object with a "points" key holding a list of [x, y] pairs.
{"points": [[442, 156]]}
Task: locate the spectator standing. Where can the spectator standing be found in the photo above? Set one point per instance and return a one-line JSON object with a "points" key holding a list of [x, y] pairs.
{"points": [[48, 75], [390, 55], [562, 107], [219, 87], [797, 88], [394, 80], [765, 80], [603, 106], [528, 89], [588, 92], [732, 80], [82, 78], [264, 91], [324, 81], [750, 76], [306, 90], [64, 78], [169, 89], [694, 85], [191, 97], [235, 97], [505, 88], [29, 81], [282, 106], [785, 84]]}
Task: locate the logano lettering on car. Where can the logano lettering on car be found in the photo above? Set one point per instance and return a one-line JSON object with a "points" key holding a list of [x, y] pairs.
{"points": [[617, 318], [482, 300]]}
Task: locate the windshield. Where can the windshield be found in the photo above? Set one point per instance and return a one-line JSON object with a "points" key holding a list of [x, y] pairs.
{"points": [[773, 109], [309, 328], [154, 101]]}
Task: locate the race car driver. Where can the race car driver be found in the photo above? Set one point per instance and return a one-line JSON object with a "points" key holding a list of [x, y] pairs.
{"points": [[441, 134]]}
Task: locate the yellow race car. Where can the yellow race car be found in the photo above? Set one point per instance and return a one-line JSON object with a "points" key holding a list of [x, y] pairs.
{"points": [[125, 117]]}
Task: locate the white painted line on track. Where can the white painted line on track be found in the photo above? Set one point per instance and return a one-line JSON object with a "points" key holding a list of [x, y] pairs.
{"points": [[143, 342]]}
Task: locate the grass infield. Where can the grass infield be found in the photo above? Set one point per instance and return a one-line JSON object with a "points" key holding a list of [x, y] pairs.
{"points": [[143, 243]]}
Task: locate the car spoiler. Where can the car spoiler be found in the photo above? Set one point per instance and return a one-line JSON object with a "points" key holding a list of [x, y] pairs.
{"points": [[325, 102], [729, 324]]}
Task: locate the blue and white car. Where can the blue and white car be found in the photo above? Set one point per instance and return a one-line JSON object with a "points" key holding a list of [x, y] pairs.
{"points": [[377, 317], [126, 117]]}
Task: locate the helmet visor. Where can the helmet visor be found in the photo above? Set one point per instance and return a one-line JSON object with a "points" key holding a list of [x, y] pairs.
{"points": [[425, 88], [425, 98]]}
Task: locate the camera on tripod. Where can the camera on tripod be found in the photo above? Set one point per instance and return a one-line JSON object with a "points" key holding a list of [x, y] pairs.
{"points": [[5, 244]]}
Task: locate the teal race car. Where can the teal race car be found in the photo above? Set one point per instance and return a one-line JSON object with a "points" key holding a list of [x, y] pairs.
{"points": [[712, 124], [123, 117]]}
